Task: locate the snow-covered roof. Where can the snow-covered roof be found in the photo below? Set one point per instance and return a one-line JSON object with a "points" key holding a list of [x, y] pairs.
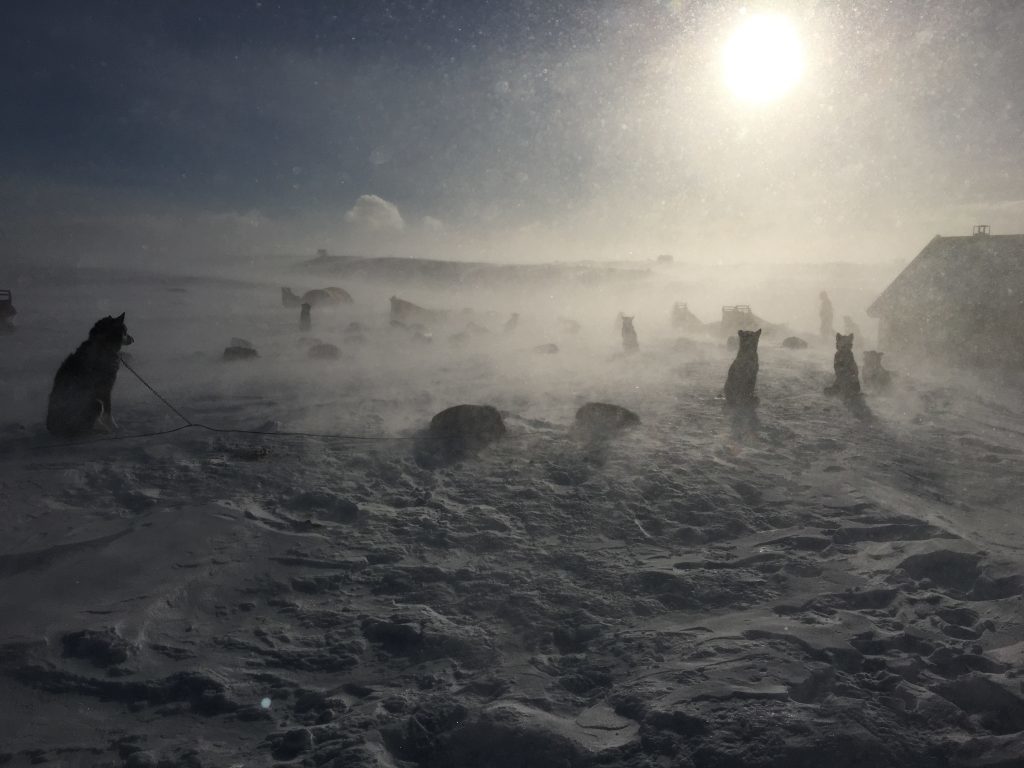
{"points": [[959, 271]]}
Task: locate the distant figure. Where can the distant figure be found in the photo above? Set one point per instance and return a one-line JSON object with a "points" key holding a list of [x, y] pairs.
{"points": [[305, 321], [741, 383], [80, 398], [512, 322], [847, 383], [825, 315], [629, 341], [876, 377]]}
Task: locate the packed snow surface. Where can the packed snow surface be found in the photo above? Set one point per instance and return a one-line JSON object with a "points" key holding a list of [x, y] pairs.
{"points": [[838, 587]]}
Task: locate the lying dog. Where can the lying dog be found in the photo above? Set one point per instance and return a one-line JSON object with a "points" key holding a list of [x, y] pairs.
{"points": [[80, 398]]}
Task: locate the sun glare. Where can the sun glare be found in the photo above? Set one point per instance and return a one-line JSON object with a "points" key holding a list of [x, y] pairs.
{"points": [[763, 59]]}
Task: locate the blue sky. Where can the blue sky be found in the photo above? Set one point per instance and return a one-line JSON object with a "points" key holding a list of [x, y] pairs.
{"points": [[545, 125]]}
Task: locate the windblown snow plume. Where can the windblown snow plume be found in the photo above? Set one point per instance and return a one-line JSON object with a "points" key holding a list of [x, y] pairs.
{"points": [[375, 213]]}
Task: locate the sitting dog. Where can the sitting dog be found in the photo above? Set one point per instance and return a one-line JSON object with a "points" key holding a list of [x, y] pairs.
{"points": [[629, 340], [876, 377], [741, 382], [847, 383], [80, 398]]}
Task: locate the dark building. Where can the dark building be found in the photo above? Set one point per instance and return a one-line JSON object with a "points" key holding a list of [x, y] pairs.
{"points": [[960, 301]]}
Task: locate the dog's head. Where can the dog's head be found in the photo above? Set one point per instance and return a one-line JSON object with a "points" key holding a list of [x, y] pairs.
{"points": [[111, 330], [749, 339]]}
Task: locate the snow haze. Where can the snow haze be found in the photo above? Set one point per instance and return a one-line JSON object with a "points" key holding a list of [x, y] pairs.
{"points": [[444, 440]]}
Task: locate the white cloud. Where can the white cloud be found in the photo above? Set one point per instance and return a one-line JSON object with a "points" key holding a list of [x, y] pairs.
{"points": [[375, 213]]}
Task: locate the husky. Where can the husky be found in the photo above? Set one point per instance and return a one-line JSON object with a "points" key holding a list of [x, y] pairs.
{"points": [[80, 398], [876, 377], [847, 383], [741, 382], [629, 341]]}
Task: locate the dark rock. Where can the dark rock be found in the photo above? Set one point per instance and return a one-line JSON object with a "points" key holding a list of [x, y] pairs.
{"points": [[326, 506], [466, 428], [103, 648], [676, 721], [324, 352], [794, 342], [141, 760], [239, 353], [291, 744], [395, 637], [603, 419]]}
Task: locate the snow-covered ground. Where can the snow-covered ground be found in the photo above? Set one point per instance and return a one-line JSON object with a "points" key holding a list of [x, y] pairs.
{"points": [[832, 590]]}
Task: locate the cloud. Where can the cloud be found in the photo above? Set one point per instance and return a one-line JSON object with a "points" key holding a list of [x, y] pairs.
{"points": [[375, 213]]}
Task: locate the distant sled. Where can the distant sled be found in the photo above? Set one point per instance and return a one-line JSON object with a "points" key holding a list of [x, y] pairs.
{"points": [[405, 313], [684, 320], [741, 317], [318, 297]]}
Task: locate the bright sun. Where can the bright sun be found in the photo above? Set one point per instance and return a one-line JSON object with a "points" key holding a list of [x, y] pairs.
{"points": [[763, 59]]}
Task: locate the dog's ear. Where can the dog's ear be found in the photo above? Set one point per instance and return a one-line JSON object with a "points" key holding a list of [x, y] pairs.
{"points": [[120, 318]]}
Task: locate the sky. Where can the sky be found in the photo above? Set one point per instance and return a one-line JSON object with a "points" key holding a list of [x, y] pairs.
{"points": [[502, 130]]}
